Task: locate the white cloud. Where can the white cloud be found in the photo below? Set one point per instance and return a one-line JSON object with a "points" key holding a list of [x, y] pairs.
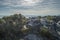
{"points": [[37, 12], [30, 2], [18, 3]]}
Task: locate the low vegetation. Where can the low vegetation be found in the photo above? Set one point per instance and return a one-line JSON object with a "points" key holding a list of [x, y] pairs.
{"points": [[11, 27]]}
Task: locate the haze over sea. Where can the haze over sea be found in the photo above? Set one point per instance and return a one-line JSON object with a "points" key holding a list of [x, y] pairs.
{"points": [[30, 15]]}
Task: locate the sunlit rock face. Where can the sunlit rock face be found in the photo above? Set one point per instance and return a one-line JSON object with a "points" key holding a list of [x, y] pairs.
{"points": [[33, 23], [43, 21], [58, 23], [32, 37]]}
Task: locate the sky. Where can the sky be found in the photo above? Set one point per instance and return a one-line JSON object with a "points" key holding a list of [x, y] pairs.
{"points": [[30, 7]]}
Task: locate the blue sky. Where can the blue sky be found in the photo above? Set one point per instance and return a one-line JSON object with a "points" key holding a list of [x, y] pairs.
{"points": [[30, 7]]}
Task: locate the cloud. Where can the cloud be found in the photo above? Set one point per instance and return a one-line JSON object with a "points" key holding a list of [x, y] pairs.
{"points": [[18, 3], [43, 7], [29, 4], [37, 12], [13, 3]]}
